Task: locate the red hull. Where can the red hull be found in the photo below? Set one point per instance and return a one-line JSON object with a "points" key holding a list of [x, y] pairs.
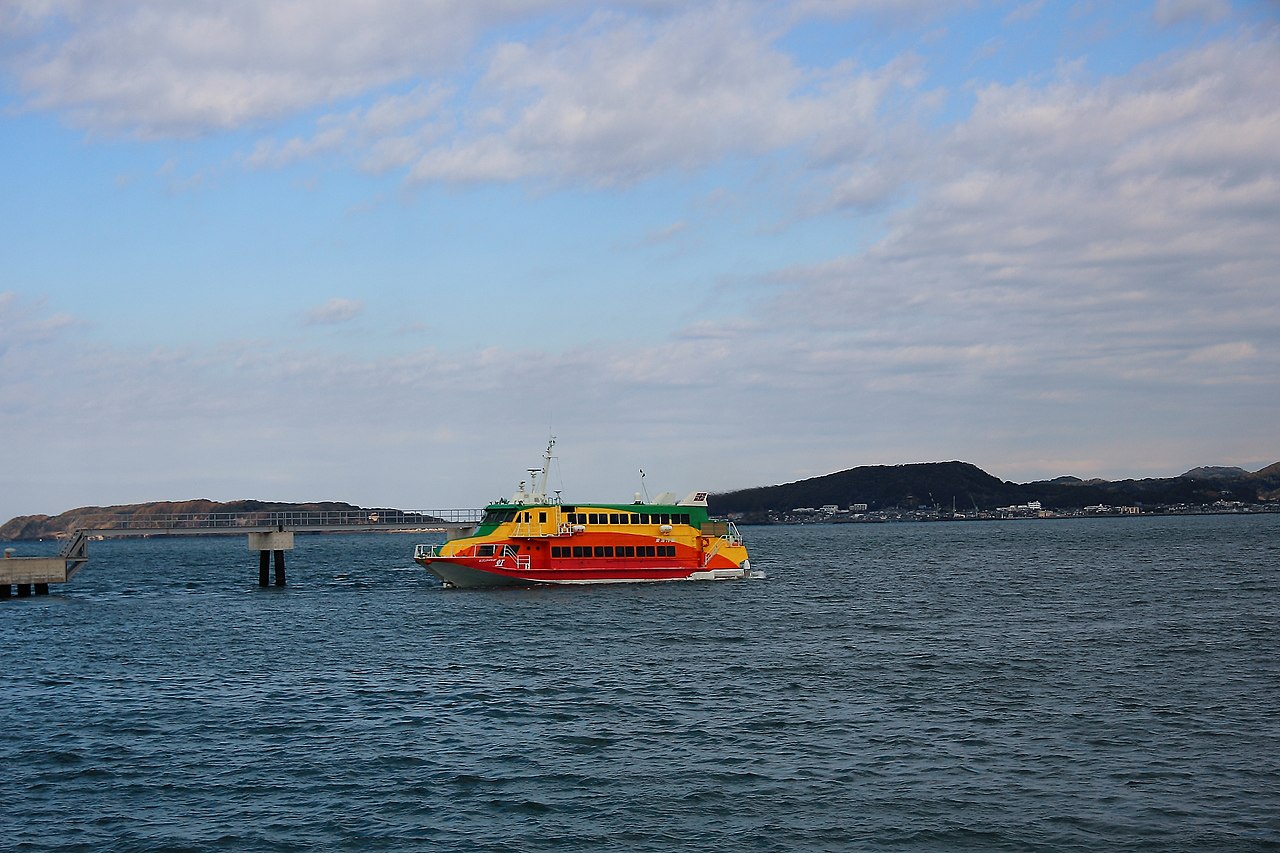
{"points": [[497, 571]]}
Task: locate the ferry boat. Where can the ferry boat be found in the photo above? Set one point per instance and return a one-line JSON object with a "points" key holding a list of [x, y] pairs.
{"points": [[532, 539]]}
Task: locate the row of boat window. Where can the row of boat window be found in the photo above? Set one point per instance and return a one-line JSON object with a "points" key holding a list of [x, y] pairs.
{"points": [[504, 516], [627, 518], [613, 551]]}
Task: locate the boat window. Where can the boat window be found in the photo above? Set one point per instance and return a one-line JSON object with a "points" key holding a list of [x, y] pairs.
{"points": [[630, 551], [542, 518], [577, 551], [608, 550], [593, 518], [599, 551], [624, 518], [484, 550], [647, 549]]}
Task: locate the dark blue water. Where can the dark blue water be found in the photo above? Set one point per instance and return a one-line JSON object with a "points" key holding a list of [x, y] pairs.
{"points": [[1063, 685]]}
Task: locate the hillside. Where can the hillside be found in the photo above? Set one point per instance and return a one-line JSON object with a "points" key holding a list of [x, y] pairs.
{"points": [[938, 483], [878, 486]]}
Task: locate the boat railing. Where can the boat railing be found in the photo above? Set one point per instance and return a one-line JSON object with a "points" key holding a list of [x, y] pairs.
{"points": [[541, 529], [431, 552], [732, 536], [728, 535]]}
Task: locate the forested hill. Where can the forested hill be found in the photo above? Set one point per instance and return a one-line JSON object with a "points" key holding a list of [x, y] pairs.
{"points": [[939, 483]]}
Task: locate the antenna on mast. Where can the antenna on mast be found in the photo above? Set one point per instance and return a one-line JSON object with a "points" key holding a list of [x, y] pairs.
{"points": [[642, 487], [540, 485]]}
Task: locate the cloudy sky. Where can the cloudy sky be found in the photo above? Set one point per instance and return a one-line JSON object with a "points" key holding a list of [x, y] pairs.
{"points": [[377, 250]]}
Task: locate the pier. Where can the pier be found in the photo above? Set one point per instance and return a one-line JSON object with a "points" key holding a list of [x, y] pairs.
{"points": [[269, 533]]}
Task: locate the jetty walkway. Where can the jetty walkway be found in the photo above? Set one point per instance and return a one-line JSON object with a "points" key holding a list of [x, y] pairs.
{"points": [[268, 533]]}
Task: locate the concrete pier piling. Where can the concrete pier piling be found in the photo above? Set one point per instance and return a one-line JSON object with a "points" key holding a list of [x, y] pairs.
{"points": [[265, 543], [23, 577]]}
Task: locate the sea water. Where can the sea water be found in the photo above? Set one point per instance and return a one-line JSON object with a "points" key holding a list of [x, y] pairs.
{"points": [[1037, 685]]}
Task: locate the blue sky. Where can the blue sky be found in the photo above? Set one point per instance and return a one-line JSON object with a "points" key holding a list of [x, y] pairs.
{"points": [[377, 251]]}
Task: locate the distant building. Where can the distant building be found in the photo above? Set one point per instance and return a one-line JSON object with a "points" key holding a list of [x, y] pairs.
{"points": [[857, 507]]}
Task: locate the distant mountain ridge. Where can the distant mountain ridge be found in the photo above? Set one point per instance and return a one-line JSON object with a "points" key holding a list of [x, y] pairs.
{"points": [[878, 486], [941, 483]]}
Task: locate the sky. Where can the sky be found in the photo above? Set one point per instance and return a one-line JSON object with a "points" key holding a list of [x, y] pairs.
{"points": [[378, 251]]}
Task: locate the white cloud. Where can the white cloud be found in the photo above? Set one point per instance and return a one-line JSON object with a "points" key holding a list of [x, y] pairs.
{"points": [[665, 234], [24, 322], [387, 134], [607, 102], [155, 68], [1024, 12], [623, 99], [1082, 264], [1227, 353], [333, 312], [1107, 243], [1168, 13], [914, 10]]}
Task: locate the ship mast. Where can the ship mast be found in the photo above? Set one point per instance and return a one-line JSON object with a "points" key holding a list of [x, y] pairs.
{"points": [[540, 483]]}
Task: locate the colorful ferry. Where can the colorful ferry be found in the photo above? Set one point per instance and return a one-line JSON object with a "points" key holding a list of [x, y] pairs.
{"points": [[533, 539]]}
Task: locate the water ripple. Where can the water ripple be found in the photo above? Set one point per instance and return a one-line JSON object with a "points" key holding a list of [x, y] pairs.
{"points": [[1074, 685]]}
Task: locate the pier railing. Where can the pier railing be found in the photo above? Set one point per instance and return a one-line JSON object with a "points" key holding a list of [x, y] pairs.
{"points": [[376, 519], [269, 532]]}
